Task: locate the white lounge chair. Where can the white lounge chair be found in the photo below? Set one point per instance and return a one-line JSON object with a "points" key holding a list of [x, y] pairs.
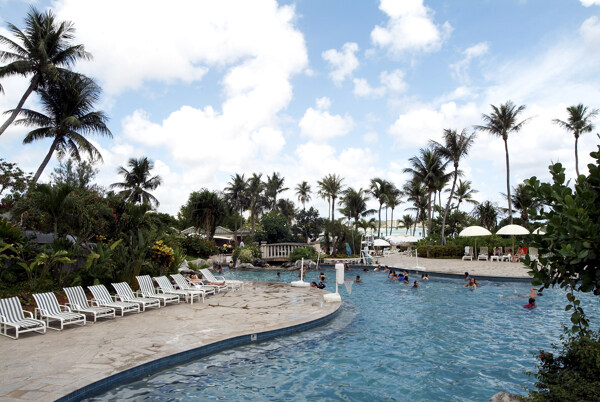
{"points": [[147, 290], [79, 303], [49, 309], [533, 253], [126, 295], [497, 257], [468, 253], [507, 256], [184, 284], [104, 299], [166, 286], [12, 315], [483, 253], [232, 284]]}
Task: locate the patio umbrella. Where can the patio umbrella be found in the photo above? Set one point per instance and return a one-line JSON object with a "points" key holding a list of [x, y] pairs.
{"points": [[473, 231], [538, 231], [514, 230], [380, 243]]}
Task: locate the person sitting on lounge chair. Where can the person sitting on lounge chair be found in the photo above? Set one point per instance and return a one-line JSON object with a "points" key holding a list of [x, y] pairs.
{"points": [[518, 255], [497, 252]]}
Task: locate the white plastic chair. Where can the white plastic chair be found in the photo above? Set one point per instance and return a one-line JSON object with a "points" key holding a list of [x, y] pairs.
{"points": [[103, 298], [79, 303], [49, 309], [147, 289], [13, 316], [126, 294]]}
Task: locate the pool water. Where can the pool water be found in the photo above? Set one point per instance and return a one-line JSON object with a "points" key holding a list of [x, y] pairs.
{"points": [[439, 342]]}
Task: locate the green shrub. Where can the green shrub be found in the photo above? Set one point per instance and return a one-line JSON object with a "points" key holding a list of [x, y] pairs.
{"points": [[308, 253], [198, 247], [245, 256], [249, 252]]}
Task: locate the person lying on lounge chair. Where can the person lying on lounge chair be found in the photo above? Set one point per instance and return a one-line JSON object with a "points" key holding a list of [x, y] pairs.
{"points": [[194, 278]]}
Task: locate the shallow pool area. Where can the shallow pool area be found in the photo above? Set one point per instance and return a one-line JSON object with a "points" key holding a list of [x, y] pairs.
{"points": [[438, 342]]}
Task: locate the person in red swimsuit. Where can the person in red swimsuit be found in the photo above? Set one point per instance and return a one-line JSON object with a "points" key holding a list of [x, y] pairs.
{"points": [[531, 304]]}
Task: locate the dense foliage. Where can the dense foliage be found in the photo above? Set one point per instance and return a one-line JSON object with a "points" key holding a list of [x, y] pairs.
{"points": [[308, 253], [246, 254]]}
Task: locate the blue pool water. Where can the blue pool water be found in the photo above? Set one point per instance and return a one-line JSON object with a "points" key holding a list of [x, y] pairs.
{"points": [[439, 342]]}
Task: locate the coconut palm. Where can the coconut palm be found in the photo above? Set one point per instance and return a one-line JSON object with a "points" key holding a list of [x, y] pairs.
{"points": [[501, 122], [354, 204], [407, 221], [43, 49], [67, 117], [208, 209], [256, 200], [367, 224], [236, 194], [330, 187], [303, 193], [273, 188], [379, 189], [138, 181], [487, 214], [579, 122], [394, 199], [523, 201], [429, 169], [455, 147], [416, 193], [464, 192], [287, 209]]}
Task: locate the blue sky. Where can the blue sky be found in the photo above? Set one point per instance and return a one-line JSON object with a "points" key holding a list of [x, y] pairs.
{"points": [[307, 88]]}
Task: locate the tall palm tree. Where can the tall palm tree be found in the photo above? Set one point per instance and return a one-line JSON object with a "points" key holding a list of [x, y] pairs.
{"points": [[523, 201], [274, 187], [464, 192], [303, 193], [366, 224], [208, 210], [429, 169], [487, 214], [579, 122], [255, 196], [407, 220], [501, 122], [394, 199], [455, 147], [67, 117], [42, 50], [416, 193], [331, 186], [379, 189], [287, 209], [354, 204], [138, 181], [236, 194]]}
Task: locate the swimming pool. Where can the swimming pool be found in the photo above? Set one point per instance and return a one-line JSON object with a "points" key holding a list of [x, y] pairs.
{"points": [[438, 342]]}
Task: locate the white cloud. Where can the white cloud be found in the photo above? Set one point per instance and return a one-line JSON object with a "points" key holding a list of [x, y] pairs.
{"points": [[460, 68], [364, 90], [370, 136], [588, 3], [320, 125], [393, 80], [390, 82], [343, 63], [323, 103], [410, 28]]}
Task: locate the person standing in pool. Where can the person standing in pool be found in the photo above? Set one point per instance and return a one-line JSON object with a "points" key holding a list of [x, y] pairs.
{"points": [[531, 304], [416, 284], [471, 284], [322, 277], [278, 275], [357, 280], [467, 277]]}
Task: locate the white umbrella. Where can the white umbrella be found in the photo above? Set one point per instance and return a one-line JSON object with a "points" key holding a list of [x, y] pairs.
{"points": [[472, 231], [516, 230], [538, 231], [380, 243]]}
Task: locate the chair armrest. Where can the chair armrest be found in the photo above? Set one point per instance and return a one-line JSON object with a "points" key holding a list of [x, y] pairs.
{"points": [[94, 302], [116, 298], [137, 293], [220, 278], [3, 319], [65, 307], [159, 290]]}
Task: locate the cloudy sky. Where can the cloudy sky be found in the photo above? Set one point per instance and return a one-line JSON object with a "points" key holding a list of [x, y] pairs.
{"points": [[306, 88]]}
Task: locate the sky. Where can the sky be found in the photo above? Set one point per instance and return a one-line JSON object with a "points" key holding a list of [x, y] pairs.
{"points": [[208, 89]]}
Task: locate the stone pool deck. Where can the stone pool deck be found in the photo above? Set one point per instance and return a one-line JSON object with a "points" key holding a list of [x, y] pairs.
{"points": [[458, 267], [47, 367]]}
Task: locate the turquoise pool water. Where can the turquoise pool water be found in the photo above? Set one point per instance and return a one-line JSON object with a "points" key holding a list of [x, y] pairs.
{"points": [[439, 342]]}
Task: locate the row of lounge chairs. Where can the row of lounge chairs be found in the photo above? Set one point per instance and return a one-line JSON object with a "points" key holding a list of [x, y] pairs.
{"points": [[13, 317], [504, 256]]}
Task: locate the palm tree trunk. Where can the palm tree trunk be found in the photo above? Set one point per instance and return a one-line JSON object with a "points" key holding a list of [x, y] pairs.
{"points": [[379, 227], [576, 156], [252, 217], [443, 238], [332, 209], [44, 162], [235, 234], [386, 221], [329, 208], [429, 217], [17, 110], [508, 182], [392, 219]]}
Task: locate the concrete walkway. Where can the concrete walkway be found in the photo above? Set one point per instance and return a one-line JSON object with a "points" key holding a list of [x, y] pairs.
{"points": [[46, 367]]}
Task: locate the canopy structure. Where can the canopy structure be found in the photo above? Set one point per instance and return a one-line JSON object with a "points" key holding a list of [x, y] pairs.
{"points": [[380, 243], [471, 231], [515, 230]]}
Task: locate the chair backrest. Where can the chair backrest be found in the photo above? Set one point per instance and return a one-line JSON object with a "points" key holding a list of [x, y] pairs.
{"points": [[146, 285], [100, 293], [208, 275], [533, 252], [468, 250], [483, 250], [47, 302], [11, 309], [123, 290], [181, 281], [164, 283], [76, 297]]}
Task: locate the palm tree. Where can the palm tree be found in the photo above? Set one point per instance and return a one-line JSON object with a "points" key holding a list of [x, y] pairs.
{"points": [[464, 192], [274, 186], [501, 122], [303, 193], [331, 186], [138, 182], [208, 210], [366, 224], [255, 196], [379, 189], [407, 220], [67, 117], [429, 169], [455, 147], [487, 214], [287, 209], [235, 192], [416, 193], [55, 201], [579, 122], [354, 204], [393, 199], [42, 49], [523, 201]]}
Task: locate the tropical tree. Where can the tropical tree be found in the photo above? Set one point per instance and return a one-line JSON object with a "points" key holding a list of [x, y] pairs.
{"points": [[274, 187], [523, 200], [464, 192], [256, 200], [303, 193], [354, 204], [455, 147], [67, 117], [407, 220], [487, 214], [55, 201], [287, 209], [208, 209], [236, 195], [330, 187], [416, 193], [500, 123], [43, 49], [393, 199], [138, 182], [367, 224], [429, 169], [379, 189], [579, 122]]}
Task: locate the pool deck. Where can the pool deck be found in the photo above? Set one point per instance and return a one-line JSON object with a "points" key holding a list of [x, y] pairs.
{"points": [[475, 268], [48, 367]]}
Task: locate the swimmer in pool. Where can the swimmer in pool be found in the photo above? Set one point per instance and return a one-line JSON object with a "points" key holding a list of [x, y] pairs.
{"points": [[471, 284], [357, 280], [531, 304], [416, 284]]}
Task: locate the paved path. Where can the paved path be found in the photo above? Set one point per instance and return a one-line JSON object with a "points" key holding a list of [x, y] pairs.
{"points": [[46, 367]]}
